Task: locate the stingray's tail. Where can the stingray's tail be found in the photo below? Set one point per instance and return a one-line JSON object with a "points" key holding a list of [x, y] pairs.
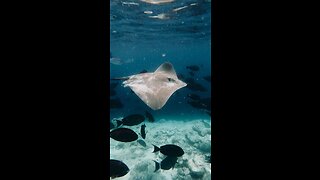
{"points": [[120, 78]]}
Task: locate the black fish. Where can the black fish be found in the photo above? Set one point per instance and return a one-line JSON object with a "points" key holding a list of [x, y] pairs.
{"points": [[113, 85], [194, 97], [193, 67], [131, 120], [167, 163], [207, 78], [197, 104], [142, 143], [118, 168], [149, 116], [111, 125], [180, 76], [208, 159], [143, 131], [194, 86], [206, 102], [123, 135], [200, 105], [169, 150], [208, 112], [115, 103]]}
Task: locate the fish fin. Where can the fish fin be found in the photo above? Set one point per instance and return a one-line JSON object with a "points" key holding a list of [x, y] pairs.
{"points": [[119, 123], [155, 148], [141, 135], [157, 166], [174, 164]]}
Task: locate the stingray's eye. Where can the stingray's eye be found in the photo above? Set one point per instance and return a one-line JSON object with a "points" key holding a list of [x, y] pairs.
{"points": [[171, 80]]}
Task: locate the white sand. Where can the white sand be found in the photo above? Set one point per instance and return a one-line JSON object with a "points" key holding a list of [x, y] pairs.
{"points": [[193, 136]]}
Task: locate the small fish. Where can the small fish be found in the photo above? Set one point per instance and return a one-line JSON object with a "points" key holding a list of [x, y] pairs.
{"points": [[111, 125], [142, 143], [169, 150], [208, 112], [113, 85], [180, 8], [195, 86], [180, 76], [147, 12], [194, 97], [118, 168], [115, 103], [143, 131], [118, 61], [157, 1], [208, 159], [160, 16], [123, 135], [149, 116], [202, 104], [196, 104], [130, 3], [167, 163], [207, 78], [193, 67], [131, 120]]}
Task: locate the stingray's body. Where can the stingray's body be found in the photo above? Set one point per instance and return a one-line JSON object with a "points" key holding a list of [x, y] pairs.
{"points": [[155, 88]]}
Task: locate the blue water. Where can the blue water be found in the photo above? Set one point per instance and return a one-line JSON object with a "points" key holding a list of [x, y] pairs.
{"points": [[183, 38]]}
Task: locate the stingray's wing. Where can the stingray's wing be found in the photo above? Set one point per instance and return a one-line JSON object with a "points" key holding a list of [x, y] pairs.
{"points": [[168, 69], [141, 86], [154, 89]]}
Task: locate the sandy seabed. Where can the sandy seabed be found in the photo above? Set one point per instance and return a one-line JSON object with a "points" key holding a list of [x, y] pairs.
{"points": [[193, 136]]}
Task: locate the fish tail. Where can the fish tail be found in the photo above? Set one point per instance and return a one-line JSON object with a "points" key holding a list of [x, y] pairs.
{"points": [[119, 123], [157, 166], [155, 148]]}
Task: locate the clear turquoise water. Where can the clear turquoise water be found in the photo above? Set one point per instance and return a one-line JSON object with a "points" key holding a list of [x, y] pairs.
{"points": [[183, 39]]}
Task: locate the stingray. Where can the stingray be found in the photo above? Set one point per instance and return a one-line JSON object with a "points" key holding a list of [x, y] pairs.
{"points": [[154, 88]]}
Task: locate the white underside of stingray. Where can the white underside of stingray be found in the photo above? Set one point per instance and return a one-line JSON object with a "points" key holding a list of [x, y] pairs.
{"points": [[155, 88]]}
